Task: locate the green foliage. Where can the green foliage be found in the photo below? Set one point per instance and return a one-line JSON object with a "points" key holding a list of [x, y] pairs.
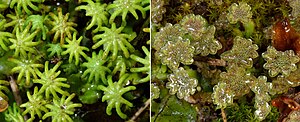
{"points": [[280, 62], [74, 49], [17, 20], [175, 109], [61, 26], [13, 114], [146, 68], [54, 49], [4, 35], [181, 83], [50, 83], [242, 53], [122, 7], [29, 30], [121, 64], [97, 12], [26, 67], [61, 109], [37, 22], [24, 4], [35, 105], [114, 40], [202, 35], [90, 94], [23, 43], [113, 95], [95, 68]]}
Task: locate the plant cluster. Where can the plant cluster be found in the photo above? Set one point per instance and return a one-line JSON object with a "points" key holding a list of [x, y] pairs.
{"points": [[225, 53], [61, 57]]}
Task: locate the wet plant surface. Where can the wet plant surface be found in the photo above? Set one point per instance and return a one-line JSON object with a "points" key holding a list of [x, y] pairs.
{"points": [[74, 60], [225, 60]]}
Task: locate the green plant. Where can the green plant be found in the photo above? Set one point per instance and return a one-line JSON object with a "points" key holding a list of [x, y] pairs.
{"points": [[113, 95], [202, 35], [74, 49], [181, 83], [114, 40], [13, 114], [123, 7], [280, 62], [61, 26], [61, 109], [242, 53], [35, 105], [176, 52], [23, 43], [59, 78], [50, 83], [146, 67], [26, 67], [24, 4], [97, 12], [95, 68]]}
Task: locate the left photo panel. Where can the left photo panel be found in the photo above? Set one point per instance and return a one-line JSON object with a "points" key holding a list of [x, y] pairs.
{"points": [[74, 60]]}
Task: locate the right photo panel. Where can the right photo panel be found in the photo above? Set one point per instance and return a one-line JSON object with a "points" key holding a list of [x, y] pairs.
{"points": [[225, 60]]}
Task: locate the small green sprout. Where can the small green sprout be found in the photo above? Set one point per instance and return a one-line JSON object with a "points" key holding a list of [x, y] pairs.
{"points": [[23, 42], [114, 40], [74, 49], [202, 34], [50, 83], [242, 53], [61, 26], [17, 21], [239, 12], [37, 24], [26, 66], [121, 64], [176, 52], [96, 68], [13, 114], [113, 95], [280, 62], [60, 109], [97, 12], [35, 105], [54, 49], [145, 61], [181, 83], [4, 35], [24, 4], [122, 7]]}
